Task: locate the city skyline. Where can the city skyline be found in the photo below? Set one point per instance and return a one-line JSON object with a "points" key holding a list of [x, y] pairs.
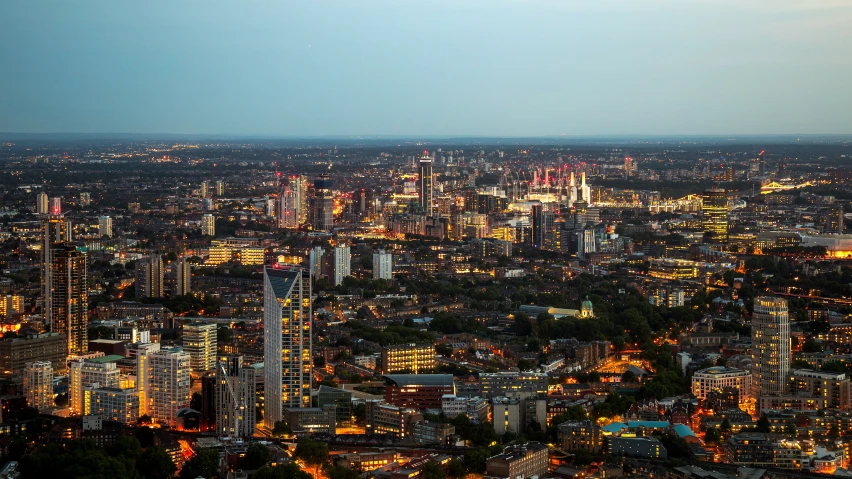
{"points": [[507, 68]]}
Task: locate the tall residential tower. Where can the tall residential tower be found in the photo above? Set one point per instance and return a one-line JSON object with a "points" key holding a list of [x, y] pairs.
{"points": [[287, 340]]}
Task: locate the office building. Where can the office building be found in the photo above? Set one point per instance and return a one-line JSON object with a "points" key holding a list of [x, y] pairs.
{"points": [[11, 305], [831, 389], [427, 432], [580, 436], [409, 358], [15, 353], [322, 204], [341, 400], [475, 408], [425, 185], [112, 404], [383, 418], [510, 383], [38, 385], [199, 341], [235, 397], [714, 207], [770, 349], [141, 352], [342, 259], [42, 203], [519, 462], [105, 226], [718, 378], [421, 391], [648, 447], [287, 341], [166, 384], [382, 265], [183, 277], [236, 250], [84, 374], [311, 419], [208, 225], [149, 277], [68, 295]]}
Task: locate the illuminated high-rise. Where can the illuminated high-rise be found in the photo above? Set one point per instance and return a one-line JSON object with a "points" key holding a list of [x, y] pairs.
{"points": [[38, 384], [287, 341], [199, 340], [166, 384], [322, 204], [105, 226], [714, 207], [208, 225], [235, 397], [183, 277], [287, 206], [220, 188], [342, 260], [149, 277], [425, 184], [68, 296], [55, 230], [382, 265], [770, 346], [42, 203]]}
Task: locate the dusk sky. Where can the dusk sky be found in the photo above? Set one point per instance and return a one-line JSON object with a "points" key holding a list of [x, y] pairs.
{"points": [[426, 67]]}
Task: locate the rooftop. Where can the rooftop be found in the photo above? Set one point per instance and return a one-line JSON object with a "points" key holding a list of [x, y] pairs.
{"points": [[419, 379]]}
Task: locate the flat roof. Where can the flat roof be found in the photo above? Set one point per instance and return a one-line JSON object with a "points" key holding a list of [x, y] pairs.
{"points": [[419, 379]]}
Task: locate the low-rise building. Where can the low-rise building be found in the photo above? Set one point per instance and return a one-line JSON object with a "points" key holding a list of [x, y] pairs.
{"points": [[519, 461]]}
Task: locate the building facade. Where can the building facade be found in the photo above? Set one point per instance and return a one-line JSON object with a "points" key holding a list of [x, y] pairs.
{"points": [[38, 385], [287, 341], [770, 350], [199, 340]]}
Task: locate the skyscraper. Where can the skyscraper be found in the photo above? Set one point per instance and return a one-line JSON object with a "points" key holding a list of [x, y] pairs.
{"points": [[199, 340], [585, 190], [205, 189], [41, 203], [38, 385], [105, 226], [382, 265], [183, 277], [425, 184], [342, 259], [69, 297], [149, 277], [287, 340], [85, 373], [770, 348], [55, 230], [287, 206], [543, 224], [220, 188], [166, 384], [235, 397], [208, 225], [56, 206], [322, 204], [714, 206]]}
